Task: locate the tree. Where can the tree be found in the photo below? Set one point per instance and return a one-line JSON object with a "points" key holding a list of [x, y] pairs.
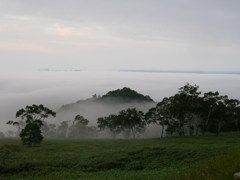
{"points": [[79, 127], [62, 129], [189, 104], [111, 122], [160, 114], [183, 108], [217, 113], [33, 116], [133, 120], [233, 107], [80, 120], [125, 121]]}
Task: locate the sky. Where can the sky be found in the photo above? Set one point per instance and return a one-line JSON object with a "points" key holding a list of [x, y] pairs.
{"points": [[150, 41], [126, 34]]}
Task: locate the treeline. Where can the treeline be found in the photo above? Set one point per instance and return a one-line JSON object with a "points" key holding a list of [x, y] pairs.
{"points": [[188, 112], [78, 128]]}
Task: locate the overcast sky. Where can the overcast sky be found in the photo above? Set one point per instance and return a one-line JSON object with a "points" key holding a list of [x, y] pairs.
{"points": [[120, 34]]}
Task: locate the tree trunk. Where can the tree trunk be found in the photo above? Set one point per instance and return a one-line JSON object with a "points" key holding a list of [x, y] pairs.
{"points": [[114, 135], [133, 133], [218, 128], [162, 131]]}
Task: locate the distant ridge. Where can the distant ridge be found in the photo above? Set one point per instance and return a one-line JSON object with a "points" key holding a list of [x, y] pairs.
{"points": [[119, 96], [59, 70], [180, 71]]}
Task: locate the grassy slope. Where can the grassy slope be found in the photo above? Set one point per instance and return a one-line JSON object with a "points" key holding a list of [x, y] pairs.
{"points": [[181, 157]]}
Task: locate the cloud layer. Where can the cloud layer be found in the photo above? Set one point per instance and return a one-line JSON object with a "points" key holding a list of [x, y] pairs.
{"points": [[54, 89], [138, 34]]}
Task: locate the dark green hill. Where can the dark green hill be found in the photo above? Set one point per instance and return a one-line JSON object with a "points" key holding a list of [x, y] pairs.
{"points": [[112, 102], [127, 94]]}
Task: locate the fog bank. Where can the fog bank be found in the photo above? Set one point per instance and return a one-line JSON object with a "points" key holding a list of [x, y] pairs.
{"points": [[54, 89]]}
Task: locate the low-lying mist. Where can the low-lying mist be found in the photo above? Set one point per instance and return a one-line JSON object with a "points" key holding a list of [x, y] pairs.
{"points": [[92, 110], [54, 89]]}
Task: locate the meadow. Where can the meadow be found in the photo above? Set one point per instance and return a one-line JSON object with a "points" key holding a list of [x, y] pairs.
{"points": [[172, 158]]}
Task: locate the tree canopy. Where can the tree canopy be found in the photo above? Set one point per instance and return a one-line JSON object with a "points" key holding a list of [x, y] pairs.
{"points": [[33, 117], [127, 94]]}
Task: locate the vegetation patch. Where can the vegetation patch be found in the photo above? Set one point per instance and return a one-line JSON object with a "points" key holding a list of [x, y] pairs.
{"points": [[166, 158]]}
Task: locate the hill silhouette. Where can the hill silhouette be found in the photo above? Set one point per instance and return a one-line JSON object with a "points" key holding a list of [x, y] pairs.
{"points": [[110, 103], [126, 94]]}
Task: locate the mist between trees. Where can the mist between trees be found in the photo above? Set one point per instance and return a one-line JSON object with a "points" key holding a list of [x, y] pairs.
{"points": [[189, 112]]}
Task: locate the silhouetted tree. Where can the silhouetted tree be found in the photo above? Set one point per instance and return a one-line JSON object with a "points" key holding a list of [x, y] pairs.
{"points": [[62, 129], [233, 108], [79, 127], [133, 120], [216, 113], [189, 100], [112, 123], [33, 117], [160, 114]]}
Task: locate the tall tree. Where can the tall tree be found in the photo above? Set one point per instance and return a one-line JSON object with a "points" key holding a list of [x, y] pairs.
{"points": [[79, 127], [160, 114], [233, 113], [33, 116], [112, 123], [187, 102], [133, 120], [62, 129], [216, 113]]}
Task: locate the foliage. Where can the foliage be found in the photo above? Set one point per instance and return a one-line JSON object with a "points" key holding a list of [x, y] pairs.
{"points": [[127, 94], [112, 123], [33, 117], [187, 112], [218, 111], [31, 134], [130, 120], [160, 114], [79, 128], [62, 129], [185, 106], [80, 120]]}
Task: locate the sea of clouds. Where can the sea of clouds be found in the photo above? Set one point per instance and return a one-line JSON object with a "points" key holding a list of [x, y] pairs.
{"points": [[56, 88]]}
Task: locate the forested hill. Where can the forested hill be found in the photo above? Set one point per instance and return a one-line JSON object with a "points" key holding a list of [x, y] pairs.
{"points": [[126, 94], [110, 103]]}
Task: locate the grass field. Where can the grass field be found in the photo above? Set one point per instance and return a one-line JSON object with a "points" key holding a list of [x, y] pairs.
{"points": [[201, 157]]}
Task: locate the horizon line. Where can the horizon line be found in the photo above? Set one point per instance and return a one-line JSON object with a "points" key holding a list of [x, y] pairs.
{"points": [[181, 71]]}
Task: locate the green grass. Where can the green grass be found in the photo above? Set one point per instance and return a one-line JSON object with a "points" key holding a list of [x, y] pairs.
{"points": [[183, 158]]}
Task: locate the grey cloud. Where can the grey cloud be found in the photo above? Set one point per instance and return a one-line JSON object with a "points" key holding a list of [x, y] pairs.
{"points": [[108, 34], [177, 19]]}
